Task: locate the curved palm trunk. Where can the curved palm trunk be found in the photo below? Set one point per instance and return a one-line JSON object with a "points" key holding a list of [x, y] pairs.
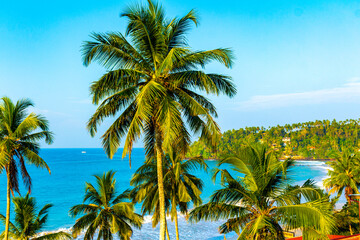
{"points": [[348, 191], [177, 226], [159, 164], [167, 232], [8, 198]]}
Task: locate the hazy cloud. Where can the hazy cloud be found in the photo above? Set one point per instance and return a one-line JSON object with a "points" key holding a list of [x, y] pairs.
{"points": [[348, 93]]}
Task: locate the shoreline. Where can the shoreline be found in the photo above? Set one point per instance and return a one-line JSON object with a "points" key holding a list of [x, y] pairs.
{"points": [[311, 160], [298, 159]]}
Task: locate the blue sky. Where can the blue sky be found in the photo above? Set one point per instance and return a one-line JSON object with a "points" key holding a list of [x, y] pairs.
{"points": [[295, 60]]}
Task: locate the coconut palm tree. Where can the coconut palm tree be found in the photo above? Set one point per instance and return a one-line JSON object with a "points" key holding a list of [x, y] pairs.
{"points": [[20, 134], [347, 219], [344, 174], [259, 203], [152, 86], [29, 222], [181, 186], [105, 212]]}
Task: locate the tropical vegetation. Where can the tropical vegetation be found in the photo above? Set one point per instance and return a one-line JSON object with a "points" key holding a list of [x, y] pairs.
{"points": [[105, 212], [181, 186], [260, 203], [344, 174], [20, 134], [347, 219], [307, 140], [152, 86], [29, 222], [154, 89]]}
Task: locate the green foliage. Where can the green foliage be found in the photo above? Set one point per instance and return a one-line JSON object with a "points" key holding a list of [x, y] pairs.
{"points": [[104, 211], [181, 187], [29, 222], [153, 84], [308, 140], [347, 219], [261, 203], [344, 174], [20, 134], [153, 81]]}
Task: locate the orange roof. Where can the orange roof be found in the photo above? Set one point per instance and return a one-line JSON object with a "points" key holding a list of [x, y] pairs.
{"points": [[352, 237], [330, 237], [335, 237]]}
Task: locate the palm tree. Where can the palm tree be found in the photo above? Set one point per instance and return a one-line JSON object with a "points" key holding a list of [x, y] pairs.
{"points": [[347, 219], [104, 211], [181, 187], [261, 203], [344, 174], [153, 86], [29, 223], [19, 137]]}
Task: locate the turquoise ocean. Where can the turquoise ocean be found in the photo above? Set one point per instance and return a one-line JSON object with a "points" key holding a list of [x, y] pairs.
{"points": [[71, 168]]}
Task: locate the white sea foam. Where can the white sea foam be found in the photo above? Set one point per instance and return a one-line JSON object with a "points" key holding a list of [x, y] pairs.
{"points": [[201, 231], [67, 230], [316, 166]]}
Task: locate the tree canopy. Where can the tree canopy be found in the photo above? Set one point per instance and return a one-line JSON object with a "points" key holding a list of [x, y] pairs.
{"points": [[307, 140]]}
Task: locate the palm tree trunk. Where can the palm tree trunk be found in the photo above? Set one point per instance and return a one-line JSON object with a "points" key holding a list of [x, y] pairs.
{"points": [[177, 226], [348, 191], [8, 198], [159, 164], [167, 232]]}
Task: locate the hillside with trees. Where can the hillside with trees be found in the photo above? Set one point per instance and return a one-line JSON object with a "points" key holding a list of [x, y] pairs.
{"points": [[308, 140]]}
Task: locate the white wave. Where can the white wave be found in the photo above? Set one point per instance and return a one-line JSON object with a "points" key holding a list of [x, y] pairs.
{"points": [[147, 219], [309, 163], [68, 230], [201, 231]]}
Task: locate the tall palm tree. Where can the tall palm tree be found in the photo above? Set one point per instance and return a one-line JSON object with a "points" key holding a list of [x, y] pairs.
{"points": [[20, 134], [29, 223], [344, 174], [105, 212], [260, 203], [181, 186], [152, 86]]}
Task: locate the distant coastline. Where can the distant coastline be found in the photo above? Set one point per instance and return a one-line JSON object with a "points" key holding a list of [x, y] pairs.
{"points": [[298, 158], [311, 159], [318, 140], [295, 159]]}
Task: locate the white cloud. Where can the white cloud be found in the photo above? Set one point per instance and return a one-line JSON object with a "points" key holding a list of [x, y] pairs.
{"points": [[348, 93]]}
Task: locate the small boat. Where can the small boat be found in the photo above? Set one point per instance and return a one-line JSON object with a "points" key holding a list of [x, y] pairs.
{"points": [[83, 151]]}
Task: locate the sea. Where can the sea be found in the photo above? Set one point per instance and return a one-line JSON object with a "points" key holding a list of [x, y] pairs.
{"points": [[72, 167]]}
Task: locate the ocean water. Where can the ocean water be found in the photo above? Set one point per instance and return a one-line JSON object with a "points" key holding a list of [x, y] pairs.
{"points": [[71, 168]]}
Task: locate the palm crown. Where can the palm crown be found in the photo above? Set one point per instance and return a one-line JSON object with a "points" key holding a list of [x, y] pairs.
{"points": [[181, 186], [260, 203], [19, 140], [344, 174], [29, 222], [104, 211], [153, 80]]}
